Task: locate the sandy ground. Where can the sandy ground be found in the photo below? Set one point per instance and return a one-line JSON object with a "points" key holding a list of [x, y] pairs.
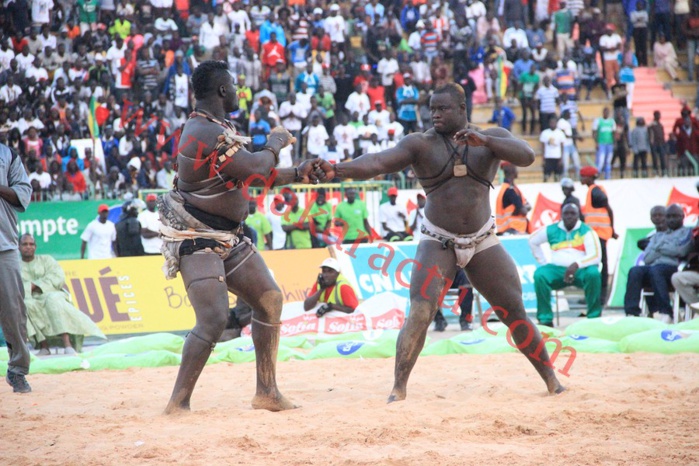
{"points": [[620, 409]]}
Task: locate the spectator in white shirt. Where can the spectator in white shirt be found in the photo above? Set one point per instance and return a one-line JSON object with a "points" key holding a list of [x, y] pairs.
{"points": [[358, 102], [10, 92], [380, 118], [150, 227], [316, 137], [393, 217], [552, 141], [24, 59], [335, 25], [99, 236], [345, 135]]}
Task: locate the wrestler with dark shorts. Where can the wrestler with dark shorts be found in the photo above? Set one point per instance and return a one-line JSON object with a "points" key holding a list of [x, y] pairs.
{"points": [[455, 164], [201, 220]]}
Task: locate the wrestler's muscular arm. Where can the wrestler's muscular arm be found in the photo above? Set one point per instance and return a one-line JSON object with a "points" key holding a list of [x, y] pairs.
{"points": [[392, 160], [502, 144]]}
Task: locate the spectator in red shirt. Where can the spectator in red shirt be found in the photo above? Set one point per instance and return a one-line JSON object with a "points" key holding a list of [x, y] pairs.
{"points": [[75, 177], [253, 37], [332, 290], [376, 92], [272, 53]]}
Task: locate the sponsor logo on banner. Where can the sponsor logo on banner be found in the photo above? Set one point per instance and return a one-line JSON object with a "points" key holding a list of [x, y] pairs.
{"points": [[546, 212], [392, 319], [303, 323], [349, 347], [689, 204], [345, 323]]}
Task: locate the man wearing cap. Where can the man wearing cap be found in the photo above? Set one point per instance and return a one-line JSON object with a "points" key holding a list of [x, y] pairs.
{"points": [[335, 26], [455, 165], [575, 255], [568, 186], [511, 208], [393, 217], [276, 211], [599, 216], [331, 289], [99, 237], [150, 226]]}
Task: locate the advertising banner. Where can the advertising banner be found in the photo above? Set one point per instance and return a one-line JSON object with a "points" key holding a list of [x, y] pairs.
{"points": [[628, 257], [385, 311], [57, 226], [380, 267], [131, 295]]}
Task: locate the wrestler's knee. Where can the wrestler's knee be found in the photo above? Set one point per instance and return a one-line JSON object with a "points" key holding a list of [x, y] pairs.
{"points": [[422, 312], [271, 303]]}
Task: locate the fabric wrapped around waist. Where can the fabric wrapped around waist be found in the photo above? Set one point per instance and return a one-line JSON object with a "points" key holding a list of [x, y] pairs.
{"points": [[465, 246], [184, 234]]}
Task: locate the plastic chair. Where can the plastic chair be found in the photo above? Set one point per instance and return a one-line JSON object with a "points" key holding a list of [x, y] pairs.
{"points": [[450, 300], [675, 296]]}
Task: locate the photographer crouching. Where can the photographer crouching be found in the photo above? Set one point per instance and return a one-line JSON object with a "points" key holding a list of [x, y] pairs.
{"points": [[332, 290]]}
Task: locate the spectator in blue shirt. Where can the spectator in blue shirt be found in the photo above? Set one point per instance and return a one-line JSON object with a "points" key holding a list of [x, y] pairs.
{"points": [[409, 16], [502, 115], [268, 28], [259, 129], [310, 78]]}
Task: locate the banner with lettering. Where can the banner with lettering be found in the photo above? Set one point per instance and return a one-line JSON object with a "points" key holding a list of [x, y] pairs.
{"points": [[385, 311], [57, 226], [131, 295], [380, 267]]}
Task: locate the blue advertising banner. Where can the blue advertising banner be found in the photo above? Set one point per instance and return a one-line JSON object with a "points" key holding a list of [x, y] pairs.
{"points": [[379, 267]]}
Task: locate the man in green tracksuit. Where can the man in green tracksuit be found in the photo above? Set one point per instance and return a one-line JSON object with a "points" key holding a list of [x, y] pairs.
{"points": [[575, 256]]}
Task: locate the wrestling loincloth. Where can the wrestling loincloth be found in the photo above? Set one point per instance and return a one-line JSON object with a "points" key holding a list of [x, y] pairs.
{"points": [[184, 234], [465, 246]]}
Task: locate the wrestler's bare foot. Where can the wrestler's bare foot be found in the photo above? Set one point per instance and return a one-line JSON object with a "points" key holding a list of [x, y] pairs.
{"points": [[272, 402], [177, 408], [396, 395], [555, 387]]}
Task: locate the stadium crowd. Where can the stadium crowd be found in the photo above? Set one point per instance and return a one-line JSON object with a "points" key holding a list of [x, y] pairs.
{"points": [[346, 79]]}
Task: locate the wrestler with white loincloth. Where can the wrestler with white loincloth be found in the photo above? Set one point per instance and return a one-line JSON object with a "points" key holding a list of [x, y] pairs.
{"points": [[455, 164]]}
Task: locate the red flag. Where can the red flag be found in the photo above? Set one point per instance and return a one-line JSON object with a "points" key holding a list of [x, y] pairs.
{"points": [[545, 212], [689, 204]]}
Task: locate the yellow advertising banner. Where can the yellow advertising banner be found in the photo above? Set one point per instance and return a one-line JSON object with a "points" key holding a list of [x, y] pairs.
{"points": [[131, 295]]}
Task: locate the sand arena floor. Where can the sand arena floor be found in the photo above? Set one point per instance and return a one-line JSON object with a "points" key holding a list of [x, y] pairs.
{"points": [[639, 409]]}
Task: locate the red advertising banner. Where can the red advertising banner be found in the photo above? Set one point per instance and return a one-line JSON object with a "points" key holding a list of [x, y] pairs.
{"points": [[545, 212]]}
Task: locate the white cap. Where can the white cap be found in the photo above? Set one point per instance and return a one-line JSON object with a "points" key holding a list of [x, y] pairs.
{"points": [[334, 7], [135, 162], [567, 183], [317, 11], [331, 263]]}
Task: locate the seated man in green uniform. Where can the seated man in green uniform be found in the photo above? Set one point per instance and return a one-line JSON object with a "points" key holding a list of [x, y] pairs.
{"points": [[575, 257], [49, 311], [332, 290]]}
